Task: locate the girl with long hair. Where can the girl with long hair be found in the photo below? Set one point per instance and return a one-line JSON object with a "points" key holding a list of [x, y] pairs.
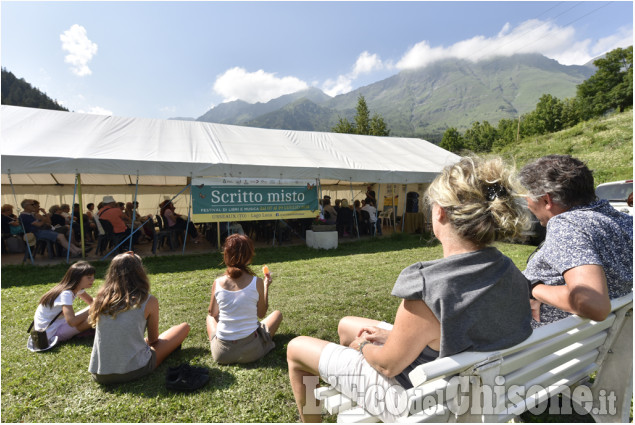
{"points": [[121, 312], [238, 299], [55, 309]]}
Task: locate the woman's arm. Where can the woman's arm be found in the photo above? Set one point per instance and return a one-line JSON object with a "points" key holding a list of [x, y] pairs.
{"points": [[213, 310], [86, 297], [584, 293], [71, 318], [152, 317], [415, 328], [263, 298]]}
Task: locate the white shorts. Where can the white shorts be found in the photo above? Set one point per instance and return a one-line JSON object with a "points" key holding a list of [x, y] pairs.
{"points": [[346, 370]]}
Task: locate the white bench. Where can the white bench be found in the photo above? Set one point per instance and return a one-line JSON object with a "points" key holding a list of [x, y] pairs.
{"points": [[556, 359]]}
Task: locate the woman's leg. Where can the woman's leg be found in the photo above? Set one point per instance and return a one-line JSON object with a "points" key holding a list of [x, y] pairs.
{"points": [[170, 340], [349, 327], [273, 322], [303, 358]]}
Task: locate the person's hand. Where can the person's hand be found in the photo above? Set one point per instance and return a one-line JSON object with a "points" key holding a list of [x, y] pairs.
{"points": [[268, 279], [535, 309], [357, 342], [374, 334]]}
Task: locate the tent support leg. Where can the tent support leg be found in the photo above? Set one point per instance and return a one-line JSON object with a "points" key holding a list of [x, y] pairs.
{"points": [[354, 209], [81, 215], [70, 232], [134, 210]]}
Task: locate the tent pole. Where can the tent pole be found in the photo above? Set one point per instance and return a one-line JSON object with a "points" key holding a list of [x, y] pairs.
{"points": [[354, 209], [377, 206], [187, 225], [403, 213], [15, 200], [134, 210], [394, 214], [70, 232], [81, 215], [218, 234]]}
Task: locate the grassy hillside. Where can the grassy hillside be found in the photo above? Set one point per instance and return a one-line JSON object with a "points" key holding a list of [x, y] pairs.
{"points": [[605, 144]]}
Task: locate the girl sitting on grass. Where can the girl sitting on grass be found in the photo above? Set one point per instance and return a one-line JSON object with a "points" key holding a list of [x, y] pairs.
{"points": [[122, 310], [61, 327], [238, 299]]}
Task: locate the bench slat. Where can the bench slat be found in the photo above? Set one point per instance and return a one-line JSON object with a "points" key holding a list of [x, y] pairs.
{"points": [[517, 360], [535, 367], [452, 365]]}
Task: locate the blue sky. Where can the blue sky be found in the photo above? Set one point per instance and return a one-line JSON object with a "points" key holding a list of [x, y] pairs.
{"points": [[178, 59]]}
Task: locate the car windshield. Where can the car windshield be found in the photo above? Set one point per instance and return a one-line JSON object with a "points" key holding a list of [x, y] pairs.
{"points": [[614, 192]]}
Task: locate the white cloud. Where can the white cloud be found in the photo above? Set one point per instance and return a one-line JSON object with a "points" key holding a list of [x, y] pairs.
{"points": [[532, 36], [252, 87], [365, 64], [341, 85], [80, 49]]}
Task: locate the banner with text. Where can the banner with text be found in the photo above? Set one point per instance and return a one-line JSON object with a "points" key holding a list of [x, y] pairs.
{"points": [[245, 199]]}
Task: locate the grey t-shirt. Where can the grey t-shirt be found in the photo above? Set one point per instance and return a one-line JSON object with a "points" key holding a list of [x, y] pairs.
{"points": [[480, 298], [119, 345]]}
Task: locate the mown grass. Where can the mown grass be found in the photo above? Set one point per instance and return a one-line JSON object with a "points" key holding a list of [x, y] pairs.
{"points": [[313, 289], [604, 144]]}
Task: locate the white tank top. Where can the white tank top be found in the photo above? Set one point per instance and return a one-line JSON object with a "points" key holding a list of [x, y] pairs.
{"points": [[238, 317]]}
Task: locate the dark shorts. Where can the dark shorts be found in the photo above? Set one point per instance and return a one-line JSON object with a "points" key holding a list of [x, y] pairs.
{"points": [[120, 378]]}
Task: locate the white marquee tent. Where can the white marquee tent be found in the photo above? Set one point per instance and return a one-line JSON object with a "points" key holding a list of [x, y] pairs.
{"points": [[42, 150]]}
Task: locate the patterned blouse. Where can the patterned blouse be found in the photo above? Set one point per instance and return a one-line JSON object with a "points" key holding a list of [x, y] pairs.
{"points": [[586, 234]]}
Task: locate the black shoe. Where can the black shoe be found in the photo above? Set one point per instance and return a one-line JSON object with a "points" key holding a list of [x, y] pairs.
{"points": [[186, 378]]}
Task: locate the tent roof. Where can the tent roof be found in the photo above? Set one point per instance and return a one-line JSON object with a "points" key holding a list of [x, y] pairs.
{"points": [[57, 144]]}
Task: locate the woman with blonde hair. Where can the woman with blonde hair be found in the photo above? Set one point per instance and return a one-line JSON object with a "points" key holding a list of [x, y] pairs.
{"points": [[121, 312], [474, 298]]}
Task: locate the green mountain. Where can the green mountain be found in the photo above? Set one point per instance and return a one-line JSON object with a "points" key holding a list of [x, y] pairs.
{"points": [[303, 114], [455, 93], [17, 92], [423, 102], [240, 112]]}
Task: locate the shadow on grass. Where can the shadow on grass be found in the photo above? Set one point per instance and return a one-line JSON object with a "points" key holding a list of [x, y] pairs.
{"points": [[28, 275], [153, 385]]}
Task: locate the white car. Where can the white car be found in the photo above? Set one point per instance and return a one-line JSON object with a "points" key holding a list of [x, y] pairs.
{"points": [[619, 194]]}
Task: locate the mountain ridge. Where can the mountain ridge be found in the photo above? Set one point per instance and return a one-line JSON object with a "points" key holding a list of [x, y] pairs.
{"points": [[422, 102]]}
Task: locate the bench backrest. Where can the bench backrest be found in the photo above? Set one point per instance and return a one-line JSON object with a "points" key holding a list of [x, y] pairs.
{"points": [[553, 358], [496, 386]]}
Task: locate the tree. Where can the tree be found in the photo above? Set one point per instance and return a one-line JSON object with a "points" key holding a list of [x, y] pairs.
{"points": [[548, 114], [480, 137], [362, 119], [378, 126], [452, 140], [611, 87], [363, 123], [506, 132]]}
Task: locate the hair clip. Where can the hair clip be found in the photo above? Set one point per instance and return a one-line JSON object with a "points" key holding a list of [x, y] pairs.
{"points": [[494, 191]]}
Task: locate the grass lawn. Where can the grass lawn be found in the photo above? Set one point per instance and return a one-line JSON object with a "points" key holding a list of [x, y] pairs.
{"points": [[313, 289]]}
